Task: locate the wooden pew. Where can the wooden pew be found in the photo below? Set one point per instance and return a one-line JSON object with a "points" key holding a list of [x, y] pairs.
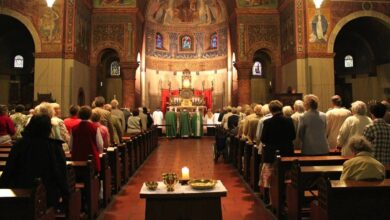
{"points": [[247, 161], [255, 169], [115, 164], [130, 150], [303, 181], [6, 145], [283, 164], [332, 152], [105, 177], [124, 158], [23, 204], [358, 200], [88, 182], [240, 155]]}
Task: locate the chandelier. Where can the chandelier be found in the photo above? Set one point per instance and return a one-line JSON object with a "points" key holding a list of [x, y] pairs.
{"points": [[318, 3], [50, 3]]}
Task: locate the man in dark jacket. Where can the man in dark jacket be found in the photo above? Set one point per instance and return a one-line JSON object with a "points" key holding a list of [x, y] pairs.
{"points": [[37, 156], [277, 135]]}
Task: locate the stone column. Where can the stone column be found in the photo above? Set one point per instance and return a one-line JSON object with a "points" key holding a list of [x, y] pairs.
{"points": [[244, 82], [128, 84]]}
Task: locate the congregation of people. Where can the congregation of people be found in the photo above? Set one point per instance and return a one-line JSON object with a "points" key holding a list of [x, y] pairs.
{"points": [[41, 139], [361, 132], [43, 136]]}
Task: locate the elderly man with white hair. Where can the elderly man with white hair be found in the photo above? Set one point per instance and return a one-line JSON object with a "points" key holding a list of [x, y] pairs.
{"points": [[353, 125], [299, 109]]}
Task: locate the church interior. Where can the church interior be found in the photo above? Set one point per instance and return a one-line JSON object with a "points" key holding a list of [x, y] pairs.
{"points": [[197, 55]]}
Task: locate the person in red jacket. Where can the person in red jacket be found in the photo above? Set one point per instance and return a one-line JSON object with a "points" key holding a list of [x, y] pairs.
{"points": [[7, 128], [86, 139], [73, 120]]}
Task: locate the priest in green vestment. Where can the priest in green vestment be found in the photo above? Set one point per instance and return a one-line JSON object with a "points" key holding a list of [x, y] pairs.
{"points": [[197, 124], [184, 122], [170, 122]]}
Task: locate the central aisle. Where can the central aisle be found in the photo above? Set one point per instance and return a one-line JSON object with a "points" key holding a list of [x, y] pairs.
{"points": [[197, 154]]}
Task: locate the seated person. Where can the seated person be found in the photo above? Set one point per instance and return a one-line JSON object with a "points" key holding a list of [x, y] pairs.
{"points": [[35, 155], [363, 166]]}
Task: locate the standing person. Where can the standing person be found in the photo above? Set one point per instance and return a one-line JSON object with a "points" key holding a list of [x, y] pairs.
{"points": [[19, 120], [225, 117], [73, 120], [59, 123], [127, 114], [7, 129], [95, 119], [170, 123], [148, 117], [216, 116], [363, 166], [233, 121], [86, 139], [378, 133], [278, 134], [335, 117], [118, 113], [197, 124], [144, 118], [353, 125], [134, 123], [209, 118], [157, 117], [184, 124], [299, 109], [35, 155], [105, 116], [116, 123], [312, 128]]}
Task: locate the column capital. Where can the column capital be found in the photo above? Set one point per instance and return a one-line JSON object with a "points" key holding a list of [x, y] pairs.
{"points": [[128, 70], [244, 70]]}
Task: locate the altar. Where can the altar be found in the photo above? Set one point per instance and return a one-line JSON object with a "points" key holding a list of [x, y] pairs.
{"points": [[187, 97], [183, 203]]}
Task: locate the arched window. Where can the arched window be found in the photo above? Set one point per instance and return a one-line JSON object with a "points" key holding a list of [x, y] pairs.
{"points": [[348, 61], [214, 41], [115, 69], [159, 41], [257, 69], [18, 61], [186, 43]]}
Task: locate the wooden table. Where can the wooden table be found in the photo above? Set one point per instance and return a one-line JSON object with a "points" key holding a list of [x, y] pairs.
{"points": [[183, 203]]}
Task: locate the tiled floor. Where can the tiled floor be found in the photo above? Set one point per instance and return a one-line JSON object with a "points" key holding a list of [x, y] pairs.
{"points": [[197, 154]]}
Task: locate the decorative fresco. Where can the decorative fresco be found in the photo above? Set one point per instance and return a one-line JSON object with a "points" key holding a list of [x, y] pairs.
{"points": [[49, 24], [257, 3], [319, 28], [287, 29], [114, 3], [185, 12]]}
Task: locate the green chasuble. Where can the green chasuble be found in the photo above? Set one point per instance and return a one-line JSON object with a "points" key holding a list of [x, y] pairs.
{"points": [[184, 124], [170, 121], [197, 125]]}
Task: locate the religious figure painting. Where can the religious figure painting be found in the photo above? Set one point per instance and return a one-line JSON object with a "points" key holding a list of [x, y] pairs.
{"points": [[214, 41], [186, 43], [176, 12], [49, 25], [319, 27], [257, 3], [114, 3], [159, 41]]}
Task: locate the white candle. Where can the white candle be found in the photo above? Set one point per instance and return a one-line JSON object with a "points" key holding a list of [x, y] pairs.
{"points": [[185, 173]]}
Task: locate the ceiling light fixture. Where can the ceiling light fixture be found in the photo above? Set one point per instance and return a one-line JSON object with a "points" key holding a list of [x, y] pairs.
{"points": [[50, 3], [318, 3]]}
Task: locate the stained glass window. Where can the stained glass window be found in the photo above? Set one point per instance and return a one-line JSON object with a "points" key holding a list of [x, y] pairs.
{"points": [[257, 69], [18, 61], [159, 41], [348, 62], [214, 41], [186, 43], [115, 69]]}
